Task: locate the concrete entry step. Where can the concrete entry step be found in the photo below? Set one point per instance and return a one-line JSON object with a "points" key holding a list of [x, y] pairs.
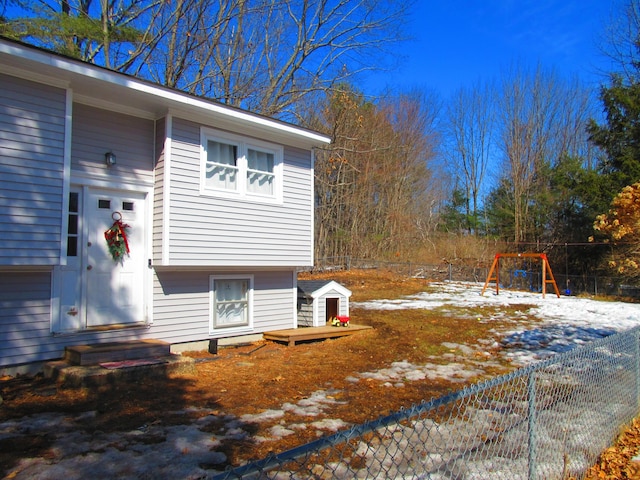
{"points": [[98, 353], [74, 376]]}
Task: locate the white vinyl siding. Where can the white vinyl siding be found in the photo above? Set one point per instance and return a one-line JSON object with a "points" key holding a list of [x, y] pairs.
{"points": [[224, 232], [97, 131], [182, 304], [32, 124]]}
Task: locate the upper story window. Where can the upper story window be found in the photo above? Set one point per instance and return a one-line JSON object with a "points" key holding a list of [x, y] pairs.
{"points": [[260, 172], [240, 167], [221, 169]]}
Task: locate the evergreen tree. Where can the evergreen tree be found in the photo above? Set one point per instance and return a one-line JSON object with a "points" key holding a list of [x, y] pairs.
{"points": [[84, 29], [618, 137], [454, 217]]}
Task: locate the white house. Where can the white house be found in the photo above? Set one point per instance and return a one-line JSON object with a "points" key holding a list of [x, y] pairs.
{"points": [[216, 205]]}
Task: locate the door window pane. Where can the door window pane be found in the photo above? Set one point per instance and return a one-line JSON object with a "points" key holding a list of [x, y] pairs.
{"points": [[72, 225]]}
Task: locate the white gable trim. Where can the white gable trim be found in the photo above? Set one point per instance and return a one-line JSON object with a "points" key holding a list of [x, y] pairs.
{"points": [[66, 181], [166, 191], [332, 285]]}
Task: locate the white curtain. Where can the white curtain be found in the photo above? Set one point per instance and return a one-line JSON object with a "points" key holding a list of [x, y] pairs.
{"points": [[260, 176], [231, 302], [222, 170]]}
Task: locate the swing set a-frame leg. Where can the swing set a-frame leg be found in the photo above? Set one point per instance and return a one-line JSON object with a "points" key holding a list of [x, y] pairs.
{"points": [[546, 271], [495, 268]]}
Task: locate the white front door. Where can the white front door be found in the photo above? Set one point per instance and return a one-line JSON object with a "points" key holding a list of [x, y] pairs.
{"points": [[114, 287], [94, 289]]}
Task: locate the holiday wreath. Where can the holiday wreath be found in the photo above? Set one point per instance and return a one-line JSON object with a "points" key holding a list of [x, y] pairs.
{"points": [[116, 237]]}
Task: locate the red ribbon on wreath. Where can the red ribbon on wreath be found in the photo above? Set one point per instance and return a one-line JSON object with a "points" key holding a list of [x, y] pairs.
{"points": [[116, 238]]}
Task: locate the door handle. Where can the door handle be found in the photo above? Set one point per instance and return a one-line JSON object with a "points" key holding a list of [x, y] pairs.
{"points": [[89, 267]]}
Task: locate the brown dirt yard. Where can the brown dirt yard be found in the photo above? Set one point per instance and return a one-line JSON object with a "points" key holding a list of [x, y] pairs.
{"points": [[261, 377]]}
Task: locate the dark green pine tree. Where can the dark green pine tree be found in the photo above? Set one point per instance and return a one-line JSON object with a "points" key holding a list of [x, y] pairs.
{"points": [[79, 29], [619, 138], [455, 217]]}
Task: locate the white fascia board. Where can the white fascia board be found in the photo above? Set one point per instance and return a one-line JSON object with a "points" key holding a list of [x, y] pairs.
{"points": [[332, 285]]}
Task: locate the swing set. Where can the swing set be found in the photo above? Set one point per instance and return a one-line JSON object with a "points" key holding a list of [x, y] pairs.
{"points": [[547, 274]]}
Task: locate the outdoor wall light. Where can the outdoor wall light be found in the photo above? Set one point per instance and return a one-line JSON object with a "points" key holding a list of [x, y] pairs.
{"points": [[110, 158]]}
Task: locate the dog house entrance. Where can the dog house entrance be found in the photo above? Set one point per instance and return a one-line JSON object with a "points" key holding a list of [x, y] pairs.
{"points": [[331, 308]]}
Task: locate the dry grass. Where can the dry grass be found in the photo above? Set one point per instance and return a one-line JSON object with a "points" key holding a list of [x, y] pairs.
{"points": [[248, 380]]}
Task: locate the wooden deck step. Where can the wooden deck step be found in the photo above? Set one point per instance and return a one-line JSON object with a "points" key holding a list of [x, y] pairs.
{"points": [[293, 335], [115, 352]]}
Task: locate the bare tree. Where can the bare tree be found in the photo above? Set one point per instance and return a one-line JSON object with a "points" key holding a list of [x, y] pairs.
{"points": [[529, 109], [373, 189], [263, 55], [620, 40], [469, 128], [542, 121]]}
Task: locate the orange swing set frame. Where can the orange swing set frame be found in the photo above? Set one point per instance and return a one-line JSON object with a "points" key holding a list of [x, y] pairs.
{"points": [[547, 274]]}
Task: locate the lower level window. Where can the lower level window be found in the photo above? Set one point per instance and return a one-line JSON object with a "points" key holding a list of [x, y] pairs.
{"points": [[230, 301]]}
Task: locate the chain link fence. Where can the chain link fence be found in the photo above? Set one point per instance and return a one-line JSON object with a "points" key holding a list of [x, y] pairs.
{"points": [[522, 275], [550, 420]]}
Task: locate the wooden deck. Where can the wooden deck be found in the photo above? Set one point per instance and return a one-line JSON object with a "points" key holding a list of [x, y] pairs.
{"points": [[302, 334]]}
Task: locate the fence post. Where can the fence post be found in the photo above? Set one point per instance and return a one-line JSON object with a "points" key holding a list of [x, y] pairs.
{"points": [[450, 272], [531, 388]]}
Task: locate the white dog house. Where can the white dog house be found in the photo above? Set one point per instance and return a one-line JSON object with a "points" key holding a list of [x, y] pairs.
{"points": [[320, 300]]}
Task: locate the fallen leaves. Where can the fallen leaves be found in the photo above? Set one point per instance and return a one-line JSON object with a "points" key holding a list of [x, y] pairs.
{"points": [[616, 462]]}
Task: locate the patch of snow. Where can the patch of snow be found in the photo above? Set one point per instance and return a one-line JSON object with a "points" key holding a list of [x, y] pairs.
{"points": [[262, 416], [564, 322], [189, 451], [332, 425]]}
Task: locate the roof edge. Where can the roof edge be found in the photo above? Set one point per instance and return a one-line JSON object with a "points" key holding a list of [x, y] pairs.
{"points": [[62, 62]]}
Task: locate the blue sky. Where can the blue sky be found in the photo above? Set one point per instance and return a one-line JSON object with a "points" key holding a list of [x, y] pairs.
{"points": [[457, 42]]}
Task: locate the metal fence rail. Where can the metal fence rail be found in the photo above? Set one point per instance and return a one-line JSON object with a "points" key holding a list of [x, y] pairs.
{"points": [[512, 275], [550, 420]]}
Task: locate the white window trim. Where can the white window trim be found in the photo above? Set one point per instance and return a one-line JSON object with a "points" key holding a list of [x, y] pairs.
{"points": [[212, 310], [243, 144]]}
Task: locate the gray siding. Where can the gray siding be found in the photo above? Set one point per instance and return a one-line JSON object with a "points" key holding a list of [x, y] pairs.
{"points": [[24, 317], [97, 131], [32, 125], [181, 304], [158, 192], [25, 328], [305, 314], [207, 230]]}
